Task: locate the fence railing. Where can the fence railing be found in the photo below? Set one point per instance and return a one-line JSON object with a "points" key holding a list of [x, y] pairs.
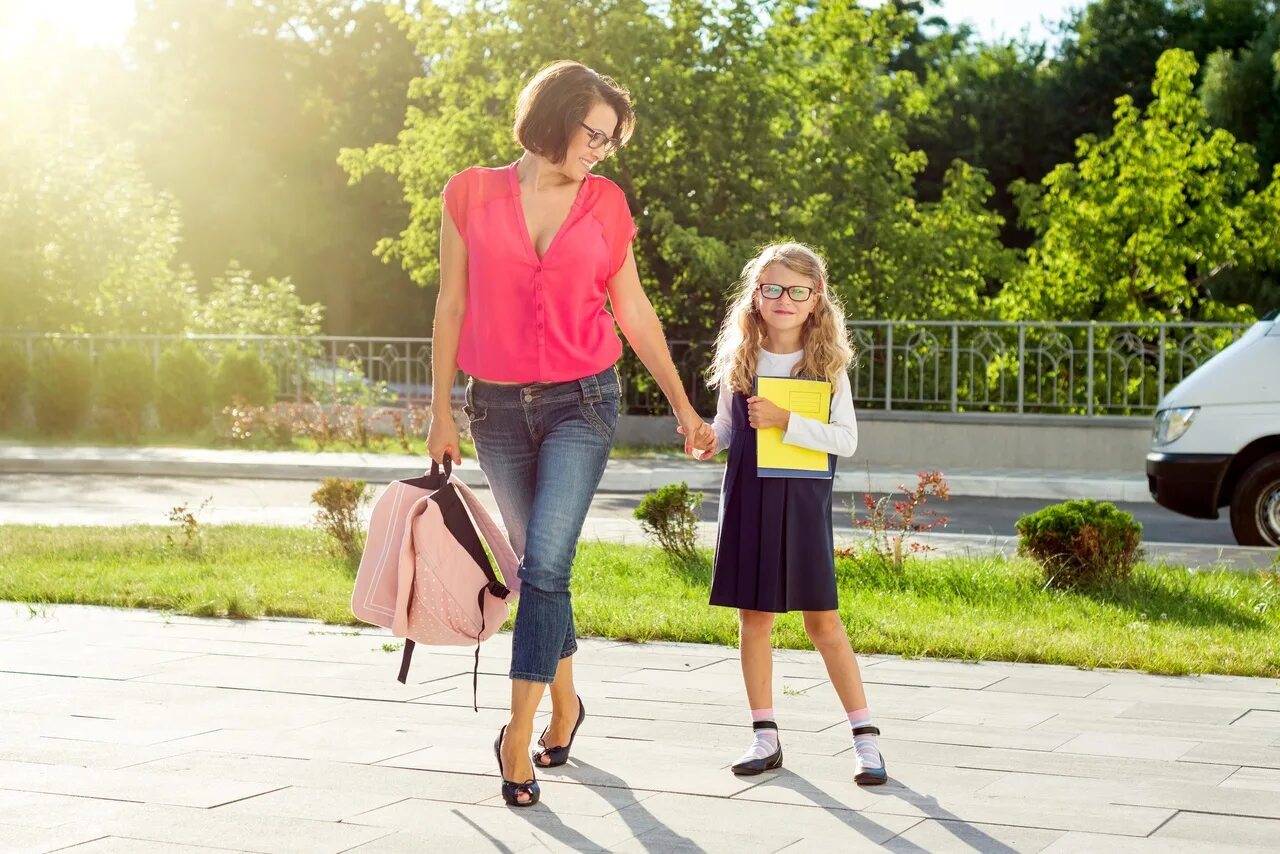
{"points": [[947, 366]]}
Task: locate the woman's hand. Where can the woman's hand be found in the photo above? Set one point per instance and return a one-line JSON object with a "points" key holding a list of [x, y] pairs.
{"points": [[763, 413], [442, 438], [702, 443]]}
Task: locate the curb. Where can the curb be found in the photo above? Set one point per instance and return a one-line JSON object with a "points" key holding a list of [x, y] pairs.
{"points": [[619, 476]]}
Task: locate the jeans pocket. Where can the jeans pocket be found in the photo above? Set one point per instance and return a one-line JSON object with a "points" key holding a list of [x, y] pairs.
{"points": [[602, 415]]}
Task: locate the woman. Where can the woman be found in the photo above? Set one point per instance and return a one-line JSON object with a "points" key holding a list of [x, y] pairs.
{"points": [[528, 255]]}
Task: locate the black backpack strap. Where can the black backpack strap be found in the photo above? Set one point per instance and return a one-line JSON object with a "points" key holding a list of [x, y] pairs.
{"points": [[458, 521], [405, 659]]}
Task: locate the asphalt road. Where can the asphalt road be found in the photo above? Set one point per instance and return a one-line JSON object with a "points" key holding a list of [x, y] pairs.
{"points": [[91, 499]]}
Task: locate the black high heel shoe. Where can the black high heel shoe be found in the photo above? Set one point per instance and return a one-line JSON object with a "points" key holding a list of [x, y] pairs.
{"points": [[511, 791], [558, 755]]}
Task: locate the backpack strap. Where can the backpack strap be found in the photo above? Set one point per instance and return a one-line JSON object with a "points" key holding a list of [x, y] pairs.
{"points": [[508, 563]]}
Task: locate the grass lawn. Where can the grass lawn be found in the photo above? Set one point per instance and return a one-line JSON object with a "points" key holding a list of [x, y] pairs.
{"points": [[1163, 620]]}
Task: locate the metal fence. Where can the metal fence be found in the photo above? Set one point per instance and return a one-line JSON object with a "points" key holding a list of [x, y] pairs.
{"points": [[961, 366]]}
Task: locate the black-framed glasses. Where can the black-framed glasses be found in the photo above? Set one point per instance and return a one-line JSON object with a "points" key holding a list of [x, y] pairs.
{"points": [[798, 293], [599, 139]]}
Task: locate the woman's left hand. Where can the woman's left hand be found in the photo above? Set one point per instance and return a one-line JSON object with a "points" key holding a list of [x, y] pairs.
{"points": [[764, 413]]}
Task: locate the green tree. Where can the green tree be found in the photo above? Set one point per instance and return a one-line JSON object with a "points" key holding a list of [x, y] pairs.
{"points": [[757, 122], [1142, 226], [239, 108], [89, 244]]}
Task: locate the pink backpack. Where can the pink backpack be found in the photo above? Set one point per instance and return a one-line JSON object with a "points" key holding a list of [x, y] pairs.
{"points": [[424, 573]]}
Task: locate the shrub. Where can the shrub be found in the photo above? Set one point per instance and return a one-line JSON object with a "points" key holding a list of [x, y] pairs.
{"points": [[126, 387], [62, 392], [669, 515], [1081, 543], [243, 378], [894, 521], [339, 501], [184, 389], [14, 376]]}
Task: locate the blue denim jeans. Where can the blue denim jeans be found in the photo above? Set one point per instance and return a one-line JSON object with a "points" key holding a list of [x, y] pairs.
{"points": [[543, 449]]}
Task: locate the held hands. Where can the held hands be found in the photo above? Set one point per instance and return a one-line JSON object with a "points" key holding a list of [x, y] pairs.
{"points": [[442, 439], [700, 438], [764, 413]]}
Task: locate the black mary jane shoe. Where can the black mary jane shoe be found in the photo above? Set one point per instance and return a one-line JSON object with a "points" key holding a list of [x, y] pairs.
{"points": [[558, 755], [756, 766], [511, 791], [870, 776]]}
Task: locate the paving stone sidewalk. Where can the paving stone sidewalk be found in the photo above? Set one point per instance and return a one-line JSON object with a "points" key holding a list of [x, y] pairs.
{"points": [[134, 731]]}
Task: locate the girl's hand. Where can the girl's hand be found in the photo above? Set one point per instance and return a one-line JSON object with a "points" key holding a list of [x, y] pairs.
{"points": [[442, 439], [763, 413]]}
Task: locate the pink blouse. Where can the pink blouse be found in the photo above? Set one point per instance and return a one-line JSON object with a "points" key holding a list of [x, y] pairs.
{"points": [[532, 319]]}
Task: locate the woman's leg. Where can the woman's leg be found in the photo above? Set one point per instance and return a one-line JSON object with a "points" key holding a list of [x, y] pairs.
{"points": [[575, 423]]}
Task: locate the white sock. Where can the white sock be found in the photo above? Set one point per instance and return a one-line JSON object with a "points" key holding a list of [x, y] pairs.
{"points": [[866, 745], [765, 743]]}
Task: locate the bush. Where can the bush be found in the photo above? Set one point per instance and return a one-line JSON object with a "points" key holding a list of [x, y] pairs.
{"points": [[14, 375], [1081, 543], [126, 387], [669, 515], [339, 501], [184, 385], [62, 392], [243, 378]]}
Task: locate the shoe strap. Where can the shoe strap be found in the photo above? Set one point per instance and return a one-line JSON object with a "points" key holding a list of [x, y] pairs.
{"points": [[764, 725], [866, 729]]}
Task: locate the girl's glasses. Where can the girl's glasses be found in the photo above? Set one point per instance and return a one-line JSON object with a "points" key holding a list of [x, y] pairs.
{"points": [[798, 293], [600, 140]]}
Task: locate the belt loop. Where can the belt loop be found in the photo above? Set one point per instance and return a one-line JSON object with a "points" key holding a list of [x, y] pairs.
{"points": [[590, 389]]}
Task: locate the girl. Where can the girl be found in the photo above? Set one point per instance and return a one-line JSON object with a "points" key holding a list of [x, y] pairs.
{"points": [[774, 550]]}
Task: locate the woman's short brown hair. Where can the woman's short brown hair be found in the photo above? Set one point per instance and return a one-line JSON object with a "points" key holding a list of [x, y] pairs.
{"points": [[552, 106]]}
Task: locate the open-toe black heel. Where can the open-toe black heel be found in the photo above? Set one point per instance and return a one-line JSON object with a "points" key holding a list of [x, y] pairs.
{"points": [[558, 755], [511, 792]]}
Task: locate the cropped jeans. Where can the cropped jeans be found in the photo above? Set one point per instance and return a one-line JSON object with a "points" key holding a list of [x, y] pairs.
{"points": [[543, 448]]}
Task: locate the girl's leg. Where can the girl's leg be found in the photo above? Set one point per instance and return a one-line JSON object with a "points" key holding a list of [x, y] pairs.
{"points": [[829, 638], [826, 632], [755, 650]]}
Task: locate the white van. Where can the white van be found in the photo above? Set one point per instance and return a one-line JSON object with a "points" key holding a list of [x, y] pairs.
{"points": [[1216, 441]]}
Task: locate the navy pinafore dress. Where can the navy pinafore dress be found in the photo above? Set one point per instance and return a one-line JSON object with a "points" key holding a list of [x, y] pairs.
{"points": [[775, 548]]}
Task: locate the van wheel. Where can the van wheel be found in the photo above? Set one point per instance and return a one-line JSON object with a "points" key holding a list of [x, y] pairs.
{"points": [[1255, 508]]}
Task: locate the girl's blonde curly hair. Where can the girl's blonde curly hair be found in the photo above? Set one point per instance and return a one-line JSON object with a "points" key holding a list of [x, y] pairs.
{"points": [[827, 351]]}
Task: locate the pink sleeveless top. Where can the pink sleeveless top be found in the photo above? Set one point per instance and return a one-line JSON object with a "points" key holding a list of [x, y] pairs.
{"points": [[531, 319]]}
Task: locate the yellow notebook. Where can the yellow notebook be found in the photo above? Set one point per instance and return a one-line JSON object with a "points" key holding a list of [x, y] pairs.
{"points": [[808, 398]]}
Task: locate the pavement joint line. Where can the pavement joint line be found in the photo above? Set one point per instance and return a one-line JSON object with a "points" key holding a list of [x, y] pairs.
{"points": [[249, 797]]}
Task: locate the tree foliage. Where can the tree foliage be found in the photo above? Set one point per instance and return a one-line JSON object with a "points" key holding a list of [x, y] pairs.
{"points": [[1144, 222]]}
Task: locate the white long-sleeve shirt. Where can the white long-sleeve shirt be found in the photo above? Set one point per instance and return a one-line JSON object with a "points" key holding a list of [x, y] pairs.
{"points": [[839, 437]]}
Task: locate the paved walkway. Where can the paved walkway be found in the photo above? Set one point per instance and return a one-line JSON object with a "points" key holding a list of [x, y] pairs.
{"points": [[620, 476], [133, 731]]}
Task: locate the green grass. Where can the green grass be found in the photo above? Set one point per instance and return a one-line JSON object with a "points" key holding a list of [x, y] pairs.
{"points": [[1164, 620]]}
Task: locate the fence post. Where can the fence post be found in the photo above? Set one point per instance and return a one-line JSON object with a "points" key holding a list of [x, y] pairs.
{"points": [[1022, 362], [1089, 392], [888, 366], [1160, 368], [955, 367]]}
